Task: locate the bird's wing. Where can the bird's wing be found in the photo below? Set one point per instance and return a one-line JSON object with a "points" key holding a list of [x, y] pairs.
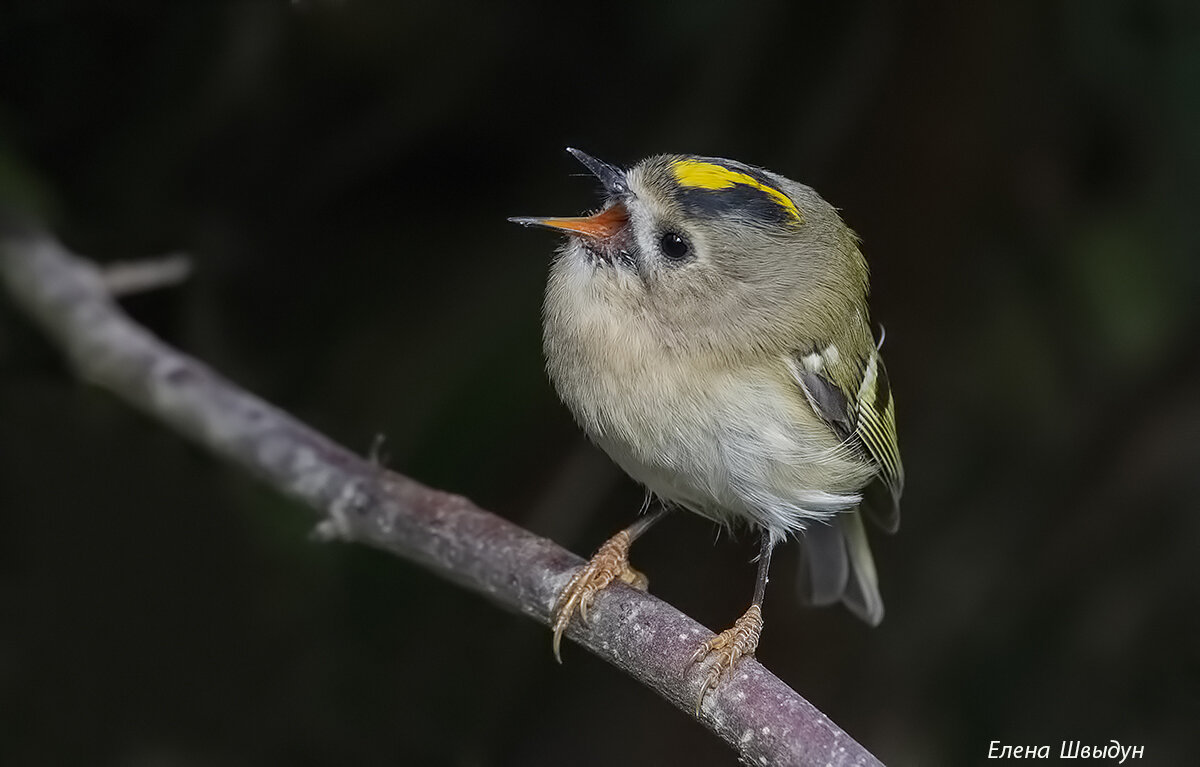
{"points": [[855, 402]]}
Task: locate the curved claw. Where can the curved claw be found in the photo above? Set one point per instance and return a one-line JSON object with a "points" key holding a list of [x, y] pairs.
{"points": [[710, 683], [557, 643], [714, 673], [560, 625], [567, 601]]}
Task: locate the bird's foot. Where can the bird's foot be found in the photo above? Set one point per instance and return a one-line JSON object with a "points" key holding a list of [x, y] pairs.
{"points": [[610, 561], [728, 648]]}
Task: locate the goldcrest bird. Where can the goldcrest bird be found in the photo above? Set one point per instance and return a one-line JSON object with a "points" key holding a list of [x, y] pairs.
{"points": [[708, 329]]}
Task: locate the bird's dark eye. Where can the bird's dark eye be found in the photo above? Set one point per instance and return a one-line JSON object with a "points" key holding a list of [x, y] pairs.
{"points": [[674, 246]]}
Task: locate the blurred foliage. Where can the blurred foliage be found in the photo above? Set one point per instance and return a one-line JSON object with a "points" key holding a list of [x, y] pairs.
{"points": [[1024, 176]]}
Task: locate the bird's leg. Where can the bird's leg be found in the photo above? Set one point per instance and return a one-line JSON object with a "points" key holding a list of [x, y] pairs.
{"points": [[610, 561], [741, 639]]}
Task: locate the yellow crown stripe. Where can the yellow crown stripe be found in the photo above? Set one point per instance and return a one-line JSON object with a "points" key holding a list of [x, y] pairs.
{"points": [[706, 175]]}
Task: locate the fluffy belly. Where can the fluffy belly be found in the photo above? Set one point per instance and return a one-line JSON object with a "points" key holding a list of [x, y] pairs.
{"points": [[745, 449]]}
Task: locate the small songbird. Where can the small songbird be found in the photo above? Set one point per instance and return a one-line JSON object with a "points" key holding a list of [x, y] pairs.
{"points": [[708, 328]]}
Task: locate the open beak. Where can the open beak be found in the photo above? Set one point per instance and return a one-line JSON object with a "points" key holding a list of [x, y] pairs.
{"points": [[602, 225]]}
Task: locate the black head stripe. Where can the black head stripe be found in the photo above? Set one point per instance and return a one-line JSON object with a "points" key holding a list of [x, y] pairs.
{"points": [[712, 186]]}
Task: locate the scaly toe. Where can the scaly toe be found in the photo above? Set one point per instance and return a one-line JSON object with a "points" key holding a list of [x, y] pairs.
{"points": [[729, 646], [704, 649], [610, 562]]}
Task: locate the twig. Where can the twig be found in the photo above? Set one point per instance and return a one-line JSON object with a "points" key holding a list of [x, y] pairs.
{"points": [[756, 713], [125, 278]]}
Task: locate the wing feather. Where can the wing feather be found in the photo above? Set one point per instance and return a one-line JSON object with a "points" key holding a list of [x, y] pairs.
{"points": [[876, 428], [865, 417]]}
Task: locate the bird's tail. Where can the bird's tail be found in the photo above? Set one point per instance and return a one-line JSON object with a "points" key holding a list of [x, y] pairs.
{"points": [[837, 566]]}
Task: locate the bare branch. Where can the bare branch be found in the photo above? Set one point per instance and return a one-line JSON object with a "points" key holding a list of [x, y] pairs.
{"points": [[756, 713]]}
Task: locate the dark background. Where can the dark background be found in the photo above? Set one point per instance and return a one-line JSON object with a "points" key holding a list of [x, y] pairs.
{"points": [[1024, 177]]}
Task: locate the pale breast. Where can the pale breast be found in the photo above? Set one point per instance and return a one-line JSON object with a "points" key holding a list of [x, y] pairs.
{"points": [[733, 445], [732, 440]]}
